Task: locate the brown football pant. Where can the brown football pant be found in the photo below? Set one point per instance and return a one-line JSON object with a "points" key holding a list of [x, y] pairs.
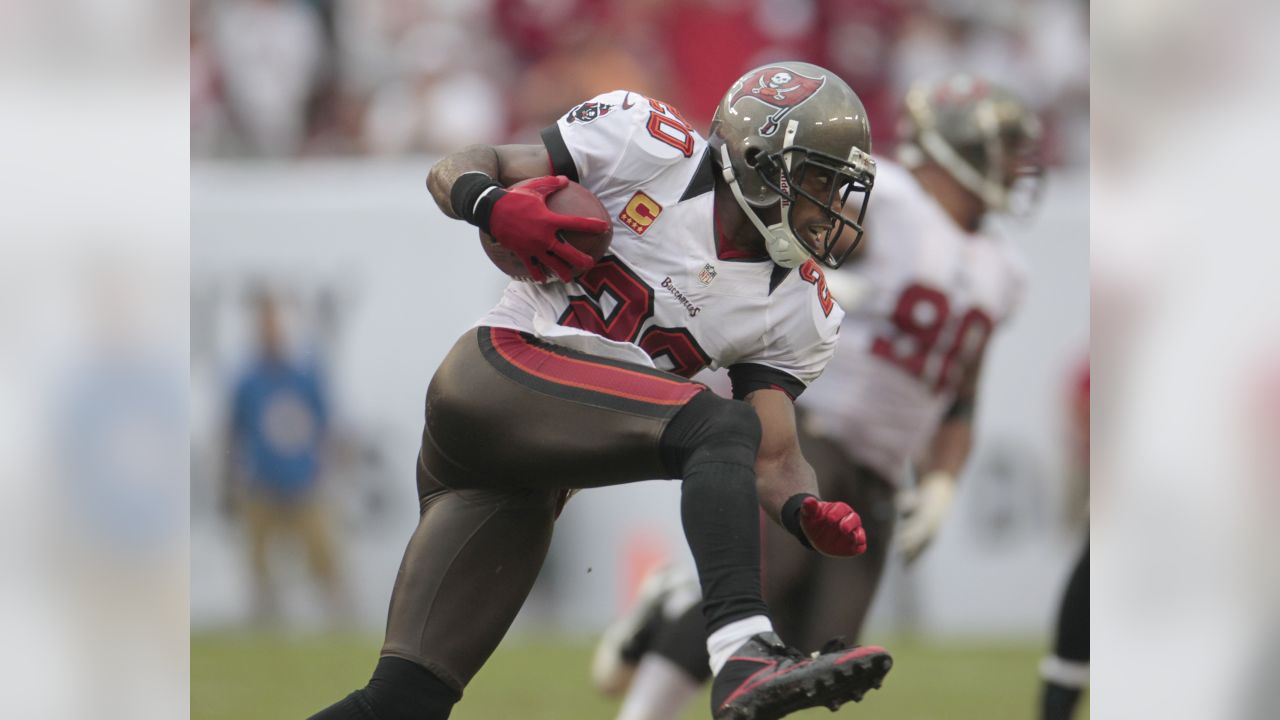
{"points": [[511, 422]]}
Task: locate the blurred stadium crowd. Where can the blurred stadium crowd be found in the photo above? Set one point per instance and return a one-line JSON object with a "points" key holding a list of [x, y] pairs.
{"points": [[290, 78]]}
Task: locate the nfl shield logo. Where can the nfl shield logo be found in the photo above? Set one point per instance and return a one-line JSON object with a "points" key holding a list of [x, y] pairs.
{"points": [[707, 275]]}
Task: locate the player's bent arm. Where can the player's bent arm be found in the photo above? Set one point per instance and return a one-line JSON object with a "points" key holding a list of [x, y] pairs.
{"points": [[507, 164], [950, 446], [788, 487], [928, 505], [781, 470]]}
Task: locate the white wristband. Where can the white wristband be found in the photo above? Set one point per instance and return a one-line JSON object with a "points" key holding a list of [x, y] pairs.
{"points": [[486, 192]]}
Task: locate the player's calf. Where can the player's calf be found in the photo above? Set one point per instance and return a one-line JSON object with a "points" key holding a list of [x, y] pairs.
{"points": [[711, 444]]}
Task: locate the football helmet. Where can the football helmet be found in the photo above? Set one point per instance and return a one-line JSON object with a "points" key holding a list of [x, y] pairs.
{"points": [[792, 130], [982, 134]]}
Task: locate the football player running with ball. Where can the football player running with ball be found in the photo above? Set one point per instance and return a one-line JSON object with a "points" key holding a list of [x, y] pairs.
{"points": [[923, 297], [716, 261]]}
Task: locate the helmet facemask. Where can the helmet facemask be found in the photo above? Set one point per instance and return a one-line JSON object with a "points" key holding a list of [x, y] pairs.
{"points": [[1025, 174], [802, 175]]}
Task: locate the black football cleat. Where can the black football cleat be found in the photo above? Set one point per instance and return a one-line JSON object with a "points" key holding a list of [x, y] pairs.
{"points": [[766, 680]]}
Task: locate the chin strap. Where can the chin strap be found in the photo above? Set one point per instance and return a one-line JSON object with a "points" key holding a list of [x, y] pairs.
{"points": [[782, 245]]}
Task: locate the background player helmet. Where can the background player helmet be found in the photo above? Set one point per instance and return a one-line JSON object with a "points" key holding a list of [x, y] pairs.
{"points": [[982, 134], [781, 123]]}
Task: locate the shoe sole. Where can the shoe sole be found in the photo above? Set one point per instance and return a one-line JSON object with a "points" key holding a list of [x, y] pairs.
{"points": [[846, 682]]}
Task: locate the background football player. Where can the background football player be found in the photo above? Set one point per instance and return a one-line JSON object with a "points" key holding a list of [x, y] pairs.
{"points": [[922, 298], [556, 387]]}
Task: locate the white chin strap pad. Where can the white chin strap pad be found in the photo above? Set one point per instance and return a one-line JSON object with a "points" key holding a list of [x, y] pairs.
{"points": [[783, 248]]}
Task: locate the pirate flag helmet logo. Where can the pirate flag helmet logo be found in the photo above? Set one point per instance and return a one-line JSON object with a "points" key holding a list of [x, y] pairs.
{"points": [[780, 88], [588, 111]]}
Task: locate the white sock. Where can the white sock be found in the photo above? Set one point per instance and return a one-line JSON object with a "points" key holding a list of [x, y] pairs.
{"points": [[660, 690], [1068, 673], [722, 643]]}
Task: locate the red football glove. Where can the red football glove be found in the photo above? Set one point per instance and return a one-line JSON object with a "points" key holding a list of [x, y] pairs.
{"points": [[521, 222], [833, 528]]}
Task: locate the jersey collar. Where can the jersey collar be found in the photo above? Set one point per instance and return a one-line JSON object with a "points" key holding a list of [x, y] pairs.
{"points": [[726, 251]]}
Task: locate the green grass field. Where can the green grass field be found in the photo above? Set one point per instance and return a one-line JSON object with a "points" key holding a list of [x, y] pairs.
{"points": [[266, 677]]}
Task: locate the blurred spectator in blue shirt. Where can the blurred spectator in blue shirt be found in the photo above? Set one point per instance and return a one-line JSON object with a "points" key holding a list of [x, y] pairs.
{"points": [[279, 428]]}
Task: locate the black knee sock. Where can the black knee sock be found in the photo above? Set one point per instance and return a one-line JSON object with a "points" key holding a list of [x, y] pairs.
{"points": [[711, 444], [720, 514], [1070, 645], [1058, 701], [398, 690], [1071, 641]]}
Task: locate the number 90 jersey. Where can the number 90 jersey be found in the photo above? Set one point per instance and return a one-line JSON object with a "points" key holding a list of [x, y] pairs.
{"points": [[929, 295], [664, 295]]}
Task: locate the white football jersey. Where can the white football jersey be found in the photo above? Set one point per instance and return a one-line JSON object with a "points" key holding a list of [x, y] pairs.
{"points": [[663, 295], [929, 294]]}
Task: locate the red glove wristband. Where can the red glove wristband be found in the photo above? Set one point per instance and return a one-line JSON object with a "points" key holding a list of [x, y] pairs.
{"points": [[833, 528], [790, 517]]}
